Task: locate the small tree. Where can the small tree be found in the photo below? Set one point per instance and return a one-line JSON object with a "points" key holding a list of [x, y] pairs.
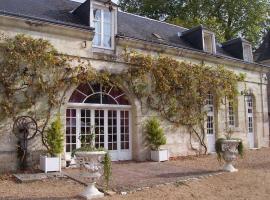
{"points": [[107, 169], [155, 134], [55, 137]]}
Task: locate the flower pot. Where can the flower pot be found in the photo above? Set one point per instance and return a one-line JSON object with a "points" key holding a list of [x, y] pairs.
{"points": [[50, 164], [160, 155], [92, 169], [229, 154]]}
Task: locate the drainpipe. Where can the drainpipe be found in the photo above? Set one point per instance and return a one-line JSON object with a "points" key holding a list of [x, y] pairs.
{"points": [[261, 74]]}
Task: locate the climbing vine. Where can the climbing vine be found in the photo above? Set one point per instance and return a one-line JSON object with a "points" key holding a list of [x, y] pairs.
{"points": [[179, 90], [34, 79]]}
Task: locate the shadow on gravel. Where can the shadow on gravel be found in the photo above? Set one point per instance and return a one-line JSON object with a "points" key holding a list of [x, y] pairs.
{"points": [[264, 165], [186, 174]]}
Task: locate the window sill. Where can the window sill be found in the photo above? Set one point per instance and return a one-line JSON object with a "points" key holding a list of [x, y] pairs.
{"points": [[100, 47], [102, 50], [235, 129], [104, 54]]}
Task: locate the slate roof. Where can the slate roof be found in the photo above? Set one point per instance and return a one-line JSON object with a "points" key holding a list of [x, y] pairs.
{"points": [[129, 25], [263, 52], [142, 28], [53, 11]]}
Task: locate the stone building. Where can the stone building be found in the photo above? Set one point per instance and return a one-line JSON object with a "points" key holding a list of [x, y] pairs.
{"points": [[98, 31], [262, 55]]}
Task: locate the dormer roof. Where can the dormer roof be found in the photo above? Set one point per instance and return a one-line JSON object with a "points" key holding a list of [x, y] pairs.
{"points": [[235, 47]]}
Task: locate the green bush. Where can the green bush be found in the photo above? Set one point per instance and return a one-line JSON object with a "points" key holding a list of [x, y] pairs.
{"points": [[155, 134], [55, 137]]}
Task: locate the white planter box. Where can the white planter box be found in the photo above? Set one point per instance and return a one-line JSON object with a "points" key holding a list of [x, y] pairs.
{"points": [[160, 155], [50, 164]]}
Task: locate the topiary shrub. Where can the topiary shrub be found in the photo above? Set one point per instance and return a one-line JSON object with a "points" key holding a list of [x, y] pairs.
{"points": [[155, 134], [55, 137]]}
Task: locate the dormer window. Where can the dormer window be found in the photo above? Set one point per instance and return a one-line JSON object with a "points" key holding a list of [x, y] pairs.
{"points": [[209, 43], [247, 52], [102, 19]]}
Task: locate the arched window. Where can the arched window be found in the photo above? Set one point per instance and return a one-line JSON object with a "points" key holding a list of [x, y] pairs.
{"points": [[99, 94], [104, 110]]}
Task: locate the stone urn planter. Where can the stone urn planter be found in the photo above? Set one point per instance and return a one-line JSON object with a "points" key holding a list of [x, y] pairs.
{"points": [[228, 149], [91, 168]]}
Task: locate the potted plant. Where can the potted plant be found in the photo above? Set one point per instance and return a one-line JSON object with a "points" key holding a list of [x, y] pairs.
{"points": [[228, 148], [93, 163], [155, 138], [54, 139]]}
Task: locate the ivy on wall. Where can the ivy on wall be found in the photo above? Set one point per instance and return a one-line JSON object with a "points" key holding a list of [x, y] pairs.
{"points": [[34, 79], [179, 90]]}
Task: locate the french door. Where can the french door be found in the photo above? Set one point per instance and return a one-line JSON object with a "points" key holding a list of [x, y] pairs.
{"points": [[111, 128], [250, 121], [210, 130]]}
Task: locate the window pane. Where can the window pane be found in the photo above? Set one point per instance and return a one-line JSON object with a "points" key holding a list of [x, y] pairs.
{"points": [[107, 16], [231, 114], [93, 99], [208, 46], [97, 14], [97, 26], [107, 29], [97, 40], [77, 97], [106, 99], [107, 42]]}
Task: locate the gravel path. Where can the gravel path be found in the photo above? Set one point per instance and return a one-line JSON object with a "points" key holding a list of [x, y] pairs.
{"points": [[128, 176], [252, 182]]}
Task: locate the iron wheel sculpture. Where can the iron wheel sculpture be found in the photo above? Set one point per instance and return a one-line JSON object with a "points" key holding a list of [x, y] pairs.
{"points": [[25, 128]]}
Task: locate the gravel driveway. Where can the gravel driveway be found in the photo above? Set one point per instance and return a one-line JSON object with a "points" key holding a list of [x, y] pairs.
{"points": [[251, 182]]}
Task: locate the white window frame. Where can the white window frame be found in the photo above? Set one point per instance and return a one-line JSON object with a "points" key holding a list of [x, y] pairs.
{"points": [[102, 7], [231, 115], [247, 56], [213, 41], [116, 154]]}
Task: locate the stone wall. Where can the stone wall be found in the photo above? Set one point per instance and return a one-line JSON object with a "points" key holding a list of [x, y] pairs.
{"points": [[77, 43]]}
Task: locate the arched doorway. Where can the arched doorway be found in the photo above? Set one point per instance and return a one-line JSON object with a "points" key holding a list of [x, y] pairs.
{"points": [[104, 109]]}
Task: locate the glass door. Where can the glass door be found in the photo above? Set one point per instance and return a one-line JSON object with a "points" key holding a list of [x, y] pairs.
{"points": [[111, 128], [210, 130], [250, 121]]}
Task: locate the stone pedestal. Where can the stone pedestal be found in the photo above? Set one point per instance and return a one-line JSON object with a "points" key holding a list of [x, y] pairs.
{"points": [[91, 169], [91, 192]]}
